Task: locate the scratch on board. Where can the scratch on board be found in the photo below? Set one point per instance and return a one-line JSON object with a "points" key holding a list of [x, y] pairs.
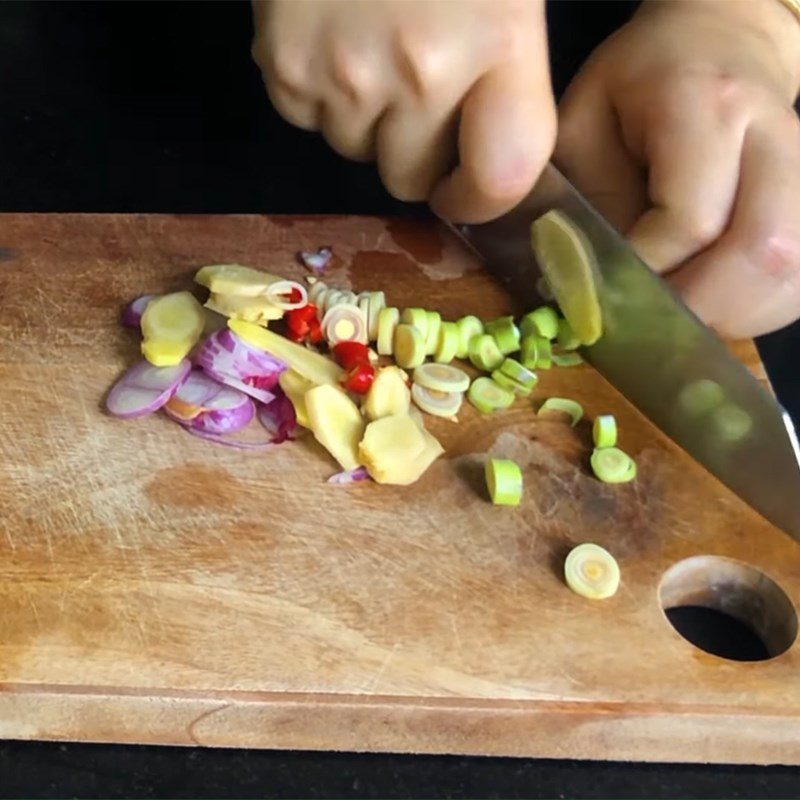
{"points": [[191, 727], [382, 669]]}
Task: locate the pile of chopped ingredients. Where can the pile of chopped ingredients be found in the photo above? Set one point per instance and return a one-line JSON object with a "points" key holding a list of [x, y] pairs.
{"points": [[318, 369]]}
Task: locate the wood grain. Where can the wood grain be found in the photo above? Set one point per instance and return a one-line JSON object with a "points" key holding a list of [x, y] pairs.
{"points": [[155, 588]]}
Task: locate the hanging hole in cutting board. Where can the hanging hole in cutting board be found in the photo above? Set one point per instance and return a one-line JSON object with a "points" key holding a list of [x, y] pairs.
{"points": [[728, 608]]}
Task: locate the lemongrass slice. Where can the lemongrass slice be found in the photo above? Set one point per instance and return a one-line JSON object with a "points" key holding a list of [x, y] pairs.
{"points": [[700, 397], [333, 297], [447, 346], [280, 291], [376, 302], [488, 396], [418, 317], [529, 352], [440, 404], [519, 374], [507, 383], [544, 353], [388, 319], [568, 263], [567, 359], [731, 422], [604, 431], [567, 338], [591, 571], [468, 328], [504, 481], [441, 378], [315, 291], [409, 346], [506, 334], [562, 405], [541, 322], [344, 323], [612, 465], [484, 352], [432, 332]]}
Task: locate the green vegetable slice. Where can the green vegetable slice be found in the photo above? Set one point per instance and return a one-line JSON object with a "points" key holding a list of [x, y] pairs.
{"points": [[543, 288], [563, 405], [612, 465], [541, 322], [567, 359], [504, 481], [505, 333], [440, 404], [441, 378], [567, 338], [409, 346], [604, 431], [449, 341], [519, 374], [418, 317], [700, 397], [468, 328], [529, 352], [567, 262], [388, 320], [484, 352], [507, 383], [544, 353], [487, 396], [731, 422], [591, 571], [432, 332]]}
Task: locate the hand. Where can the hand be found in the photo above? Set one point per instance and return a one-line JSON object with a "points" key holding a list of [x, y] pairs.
{"points": [[680, 128], [452, 98]]}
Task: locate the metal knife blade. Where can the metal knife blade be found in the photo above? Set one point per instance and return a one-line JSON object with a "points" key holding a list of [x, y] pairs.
{"points": [[653, 347]]}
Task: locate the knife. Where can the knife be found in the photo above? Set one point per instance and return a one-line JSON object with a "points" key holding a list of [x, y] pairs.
{"points": [[657, 353]]}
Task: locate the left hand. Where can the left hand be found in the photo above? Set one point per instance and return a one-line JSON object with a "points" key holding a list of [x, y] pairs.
{"points": [[680, 129]]}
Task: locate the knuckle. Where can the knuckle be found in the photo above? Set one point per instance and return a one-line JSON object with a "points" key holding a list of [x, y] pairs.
{"points": [[287, 68], [351, 74], [775, 251], [699, 228], [422, 61]]}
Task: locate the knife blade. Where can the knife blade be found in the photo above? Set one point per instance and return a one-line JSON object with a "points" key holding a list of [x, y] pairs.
{"points": [[656, 352]]}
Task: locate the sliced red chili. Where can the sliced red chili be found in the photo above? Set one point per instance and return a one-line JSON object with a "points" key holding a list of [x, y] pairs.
{"points": [[360, 378], [351, 354]]}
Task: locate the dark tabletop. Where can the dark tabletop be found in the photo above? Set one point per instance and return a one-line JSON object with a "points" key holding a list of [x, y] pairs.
{"points": [[156, 107]]}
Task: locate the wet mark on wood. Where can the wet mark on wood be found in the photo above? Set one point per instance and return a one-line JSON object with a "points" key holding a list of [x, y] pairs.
{"points": [[419, 239], [7, 254], [193, 486]]}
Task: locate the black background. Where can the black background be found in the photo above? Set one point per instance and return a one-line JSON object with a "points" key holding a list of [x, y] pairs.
{"points": [[156, 107]]}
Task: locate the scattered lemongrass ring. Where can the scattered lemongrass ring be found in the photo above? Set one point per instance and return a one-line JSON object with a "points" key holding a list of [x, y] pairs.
{"points": [[563, 405], [277, 293], [432, 401], [504, 481], [441, 378], [612, 465], [604, 431], [591, 571], [344, 323]]}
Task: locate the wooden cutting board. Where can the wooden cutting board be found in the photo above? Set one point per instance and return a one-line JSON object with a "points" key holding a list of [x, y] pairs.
{"points": [[157, 588]]}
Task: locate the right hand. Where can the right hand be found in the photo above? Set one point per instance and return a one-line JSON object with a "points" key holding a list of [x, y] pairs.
{"points": [[452, 99]]}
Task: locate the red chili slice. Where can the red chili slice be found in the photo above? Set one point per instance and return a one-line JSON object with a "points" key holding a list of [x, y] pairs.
{"points": [[351, 354]]}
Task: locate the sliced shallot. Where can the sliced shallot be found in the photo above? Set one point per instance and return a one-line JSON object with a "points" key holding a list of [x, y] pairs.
{"points": [[317, 261], [144, 389], [132, 315], [278, 417]]}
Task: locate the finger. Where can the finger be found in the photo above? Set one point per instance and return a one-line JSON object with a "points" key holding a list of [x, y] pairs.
{"points": [[506, 134], [415, 149], [749, 282], [591, 153], [693, 174]]}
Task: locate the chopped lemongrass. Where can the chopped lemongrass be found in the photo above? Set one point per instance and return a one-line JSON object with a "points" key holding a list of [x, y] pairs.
{"points": [[418, 317], [349, 298], [488, 396], [441, 378], [519, 374], [591, 571], [409, 346], [468, 328], [363, 307], [344, 323], [529, 352], [484, 352], [505, 333], [604, 431], [440, 404], [567, 359], [332, 298], [567, 260], [504, 481], [432, 332], [700, 397], [375, 302], [612, 465], [541, 322], [388, 320], [544, 353], [507, 383], [447, 346], [567, 338], [731, 422], [315, 291], [562, 405]]}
